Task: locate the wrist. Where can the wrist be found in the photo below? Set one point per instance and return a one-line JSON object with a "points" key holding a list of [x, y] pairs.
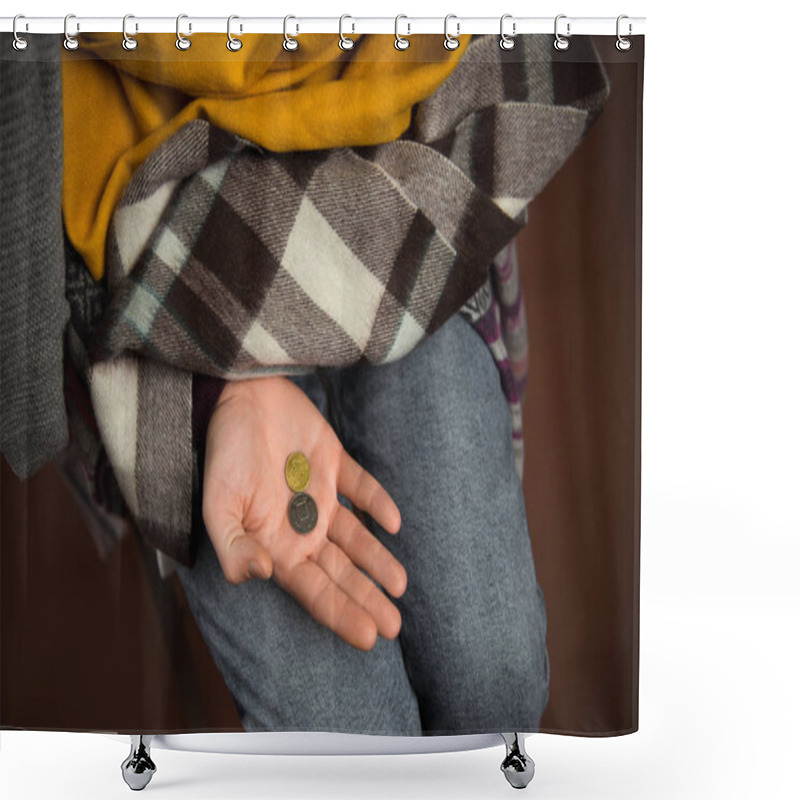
{"points": [[249, 389]]}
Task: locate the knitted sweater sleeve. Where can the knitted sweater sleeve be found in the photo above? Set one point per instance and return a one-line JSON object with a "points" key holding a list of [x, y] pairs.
{"points": [[33, 311]]}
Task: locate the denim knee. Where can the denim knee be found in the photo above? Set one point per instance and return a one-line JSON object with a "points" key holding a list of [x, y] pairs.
{"points": [[494, 676]]}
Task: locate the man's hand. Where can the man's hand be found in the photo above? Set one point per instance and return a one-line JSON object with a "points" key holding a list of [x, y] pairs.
{"points": [[256, 424]]}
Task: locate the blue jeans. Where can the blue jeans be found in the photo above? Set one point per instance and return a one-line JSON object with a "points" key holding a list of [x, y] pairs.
{"points": [[434, 428]]}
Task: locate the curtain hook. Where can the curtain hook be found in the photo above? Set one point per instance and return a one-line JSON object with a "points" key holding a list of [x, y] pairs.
{"points": [[451, 42], [233, 44], [182, 43], [128, 42], [507, 42], [561, 42], [623, 43], [400, 42], [70, 42], [345, 42], [19, 43], [289, 43]]}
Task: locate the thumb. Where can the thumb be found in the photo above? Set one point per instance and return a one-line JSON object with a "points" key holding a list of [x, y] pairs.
{"points": [[240, 554], [243, 557], [247, 551]]}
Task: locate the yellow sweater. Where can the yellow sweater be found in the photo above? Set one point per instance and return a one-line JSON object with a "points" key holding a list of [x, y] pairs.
{"points": [[118, 105]]}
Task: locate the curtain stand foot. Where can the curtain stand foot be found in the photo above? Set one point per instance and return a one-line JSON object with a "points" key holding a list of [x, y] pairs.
{"points": [[138, 768], [517, 766]]}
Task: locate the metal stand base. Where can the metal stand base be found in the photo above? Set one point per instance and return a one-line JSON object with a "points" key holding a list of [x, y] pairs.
{"points": [[517, 766], [138, 768]]}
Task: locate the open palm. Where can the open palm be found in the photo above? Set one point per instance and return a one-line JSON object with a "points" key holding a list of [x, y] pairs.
{"points": [[256, 424]]}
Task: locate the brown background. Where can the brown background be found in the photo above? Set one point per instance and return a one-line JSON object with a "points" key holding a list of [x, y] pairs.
{"points": [[87, 645]]}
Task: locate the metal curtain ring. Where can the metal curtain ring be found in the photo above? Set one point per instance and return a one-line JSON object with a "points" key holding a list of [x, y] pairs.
{"points": [[288, 42], [345, 42], [400, 42], [70, 42], [561, 42], [19, 43], [507, 42], [451, 42], [129, 42], [623, 43], [233, 44], [182, 43]]}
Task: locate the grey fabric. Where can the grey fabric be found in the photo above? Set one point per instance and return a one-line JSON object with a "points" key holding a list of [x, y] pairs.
{"points": [[33, 308]]}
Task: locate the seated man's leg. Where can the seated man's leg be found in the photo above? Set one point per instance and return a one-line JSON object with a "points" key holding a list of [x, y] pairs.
{"points": [[286, 671], [434, 428]]}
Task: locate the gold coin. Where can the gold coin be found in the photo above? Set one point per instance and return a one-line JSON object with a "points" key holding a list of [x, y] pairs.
{"points": [[297, 470]]}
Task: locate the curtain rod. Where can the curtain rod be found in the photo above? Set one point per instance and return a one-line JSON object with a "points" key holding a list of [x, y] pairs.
{"points": [[407, 26]]}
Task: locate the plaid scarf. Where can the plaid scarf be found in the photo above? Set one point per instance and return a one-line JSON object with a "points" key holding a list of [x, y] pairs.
{"points": [[364, 252]]}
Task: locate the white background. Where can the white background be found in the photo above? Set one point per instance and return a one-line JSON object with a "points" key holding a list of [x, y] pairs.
{"points": [[720, 604]]}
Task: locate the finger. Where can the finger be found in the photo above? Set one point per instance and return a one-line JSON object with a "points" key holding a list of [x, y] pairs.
{"points": [[366, 492], [366, 551], [240, 554], [329, 605], [344, 574]]}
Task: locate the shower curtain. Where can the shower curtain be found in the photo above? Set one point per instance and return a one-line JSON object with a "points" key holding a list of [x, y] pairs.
{"points": [[320, 384]]}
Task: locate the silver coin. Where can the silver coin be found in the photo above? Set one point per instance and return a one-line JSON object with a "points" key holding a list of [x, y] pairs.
{"points": [[303, 512]]}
